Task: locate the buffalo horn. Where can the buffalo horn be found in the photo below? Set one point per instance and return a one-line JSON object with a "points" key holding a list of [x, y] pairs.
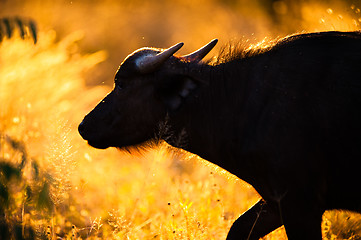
{"points": [[149, 63], [201, 53]]}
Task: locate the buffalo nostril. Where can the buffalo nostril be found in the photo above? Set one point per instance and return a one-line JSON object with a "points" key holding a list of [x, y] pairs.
{"points": [[81, 128]]}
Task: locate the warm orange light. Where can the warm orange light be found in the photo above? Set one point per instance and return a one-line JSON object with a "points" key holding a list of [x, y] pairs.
{"points": [[46, 89]]}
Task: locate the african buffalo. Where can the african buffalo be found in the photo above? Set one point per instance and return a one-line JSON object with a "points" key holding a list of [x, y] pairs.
{"points": [[285, 118]]}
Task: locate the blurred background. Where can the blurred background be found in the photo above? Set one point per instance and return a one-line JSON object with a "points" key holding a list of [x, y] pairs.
{"points": [[120, 27], [54, 186]]}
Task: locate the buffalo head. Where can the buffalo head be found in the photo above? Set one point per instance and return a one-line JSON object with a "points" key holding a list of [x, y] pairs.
{"points": [[148, 85]]}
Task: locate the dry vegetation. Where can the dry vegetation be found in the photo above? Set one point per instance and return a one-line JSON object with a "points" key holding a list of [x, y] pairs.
{"points": [[53, 185]]}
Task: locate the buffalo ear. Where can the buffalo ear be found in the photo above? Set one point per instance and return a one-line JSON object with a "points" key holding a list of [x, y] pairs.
{"points": [[175, 91]]}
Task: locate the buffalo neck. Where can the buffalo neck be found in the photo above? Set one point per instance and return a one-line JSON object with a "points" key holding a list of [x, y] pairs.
{"points": [[210, 123]]}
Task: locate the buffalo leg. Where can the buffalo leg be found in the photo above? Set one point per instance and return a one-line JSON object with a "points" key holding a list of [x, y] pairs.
{"points": [[302, 220], [256, 222]]}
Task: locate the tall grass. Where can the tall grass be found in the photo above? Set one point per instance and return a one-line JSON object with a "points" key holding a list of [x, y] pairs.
{"points": [[65, 188], [53, 185]]}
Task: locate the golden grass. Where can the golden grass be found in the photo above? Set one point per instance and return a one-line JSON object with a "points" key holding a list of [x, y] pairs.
{"points": [[83, 192], [67, 189], [154, 194]]}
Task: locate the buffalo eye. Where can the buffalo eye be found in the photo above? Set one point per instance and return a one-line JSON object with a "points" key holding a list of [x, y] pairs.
{"points": [[118, 86]]}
